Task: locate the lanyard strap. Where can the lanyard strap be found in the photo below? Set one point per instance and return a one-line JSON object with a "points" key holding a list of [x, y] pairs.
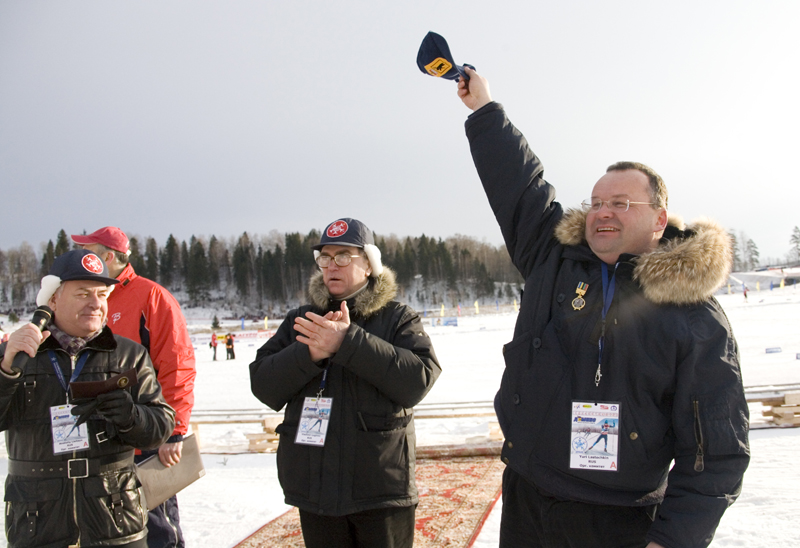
{"points": [[75, 372], [323, 381], [608, 296]]}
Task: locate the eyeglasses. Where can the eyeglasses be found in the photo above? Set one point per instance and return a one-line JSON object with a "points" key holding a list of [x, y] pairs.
{"points": [[617, 206], [341, 259]]}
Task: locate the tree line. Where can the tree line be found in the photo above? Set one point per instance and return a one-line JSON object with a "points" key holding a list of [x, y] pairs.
{"points": [[747, 257], [258, 274], [269, 273]]}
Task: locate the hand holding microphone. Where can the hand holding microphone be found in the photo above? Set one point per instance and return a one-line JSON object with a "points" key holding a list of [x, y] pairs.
{"points": [[25, 341]]}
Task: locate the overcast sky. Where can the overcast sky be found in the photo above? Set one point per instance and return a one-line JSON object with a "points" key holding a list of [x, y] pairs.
{"points": [[200, 118]]}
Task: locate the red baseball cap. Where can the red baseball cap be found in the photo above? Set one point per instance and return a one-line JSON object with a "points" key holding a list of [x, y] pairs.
{"points": [[109, 236]]}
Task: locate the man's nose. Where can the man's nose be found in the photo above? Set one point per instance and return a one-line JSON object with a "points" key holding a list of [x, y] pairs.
{"points": [[605, 210]]}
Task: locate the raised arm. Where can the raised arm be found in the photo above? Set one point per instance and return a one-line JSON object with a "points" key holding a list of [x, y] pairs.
{"points": [[512, 176]]}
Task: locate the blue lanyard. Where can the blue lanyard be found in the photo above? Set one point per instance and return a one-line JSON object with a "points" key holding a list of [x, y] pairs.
{"points": [[323, 381], [608, 296], [75, 373]]}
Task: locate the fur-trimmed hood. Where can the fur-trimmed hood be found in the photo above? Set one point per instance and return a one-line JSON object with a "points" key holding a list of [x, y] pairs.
{"points": [[688, 266], [379, 292]]}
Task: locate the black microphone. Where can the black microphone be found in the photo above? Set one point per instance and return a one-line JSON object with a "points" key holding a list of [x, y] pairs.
{"points": [[41, 317]]}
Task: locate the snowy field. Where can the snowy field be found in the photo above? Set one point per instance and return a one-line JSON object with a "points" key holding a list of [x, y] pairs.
{"points": [[240, 491]]}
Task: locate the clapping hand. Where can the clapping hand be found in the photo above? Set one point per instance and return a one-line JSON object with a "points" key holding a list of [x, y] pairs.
{"points": [[323, 334]]}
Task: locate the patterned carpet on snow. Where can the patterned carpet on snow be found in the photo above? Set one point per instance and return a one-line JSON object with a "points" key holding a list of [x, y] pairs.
{"points": [[456, 496]]}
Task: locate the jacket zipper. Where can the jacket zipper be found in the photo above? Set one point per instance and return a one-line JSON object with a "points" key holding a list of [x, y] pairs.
{"points": [[699, 466], [73, 360]]}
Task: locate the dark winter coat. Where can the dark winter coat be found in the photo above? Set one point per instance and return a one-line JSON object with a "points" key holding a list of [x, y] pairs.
{"points": [[385, 366], [109, 508], [670, 357]]}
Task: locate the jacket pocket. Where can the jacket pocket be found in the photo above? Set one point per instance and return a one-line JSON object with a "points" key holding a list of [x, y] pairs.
{"points": [[382, 457], [645, 447], [37, 512], [112, 506], [517, 358], [293, 462], [718, 429]]}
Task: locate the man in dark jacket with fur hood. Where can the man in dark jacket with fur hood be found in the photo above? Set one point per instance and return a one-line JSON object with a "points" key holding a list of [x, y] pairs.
{"points": [[349, 367], [618, 337]]}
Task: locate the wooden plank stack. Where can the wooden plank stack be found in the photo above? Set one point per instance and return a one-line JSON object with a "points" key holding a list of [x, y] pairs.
{"points": [[786, 412], [266, 441], [495, 433]]}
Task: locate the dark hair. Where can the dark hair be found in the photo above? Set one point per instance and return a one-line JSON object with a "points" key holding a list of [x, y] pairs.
{"points": [[658, 190]]}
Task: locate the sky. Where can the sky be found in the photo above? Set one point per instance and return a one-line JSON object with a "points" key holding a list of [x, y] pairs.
{"points": [[200, 117]]}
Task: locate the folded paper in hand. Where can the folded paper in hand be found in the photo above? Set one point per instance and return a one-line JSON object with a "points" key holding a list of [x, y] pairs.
{"points": [[161, 482]]}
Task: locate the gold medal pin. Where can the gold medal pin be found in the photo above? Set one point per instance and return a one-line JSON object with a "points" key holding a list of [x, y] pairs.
{"points": [[578, 302]]}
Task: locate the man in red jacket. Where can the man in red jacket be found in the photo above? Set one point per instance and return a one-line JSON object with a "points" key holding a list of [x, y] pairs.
{"points": [[144, 311]]}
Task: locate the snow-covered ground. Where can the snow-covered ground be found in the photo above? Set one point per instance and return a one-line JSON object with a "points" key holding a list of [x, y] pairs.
{"points": [[240, 491]]}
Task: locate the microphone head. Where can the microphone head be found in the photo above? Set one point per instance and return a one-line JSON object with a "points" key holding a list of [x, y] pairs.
{"points": [[41, 317]]}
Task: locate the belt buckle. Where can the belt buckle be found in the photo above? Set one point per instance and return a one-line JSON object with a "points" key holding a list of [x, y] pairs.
{"points": [[79, 473]]}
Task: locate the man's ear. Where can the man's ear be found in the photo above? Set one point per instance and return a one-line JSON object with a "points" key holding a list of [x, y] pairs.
{"points": [[661, 222]]}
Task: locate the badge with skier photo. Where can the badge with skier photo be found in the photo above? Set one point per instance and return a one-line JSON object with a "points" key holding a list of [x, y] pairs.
{"points": [[314, 421], [594, 437]]}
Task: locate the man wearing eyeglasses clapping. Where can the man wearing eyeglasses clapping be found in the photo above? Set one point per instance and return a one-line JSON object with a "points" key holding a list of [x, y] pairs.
{"points": [[618, 327], [348, 368]]}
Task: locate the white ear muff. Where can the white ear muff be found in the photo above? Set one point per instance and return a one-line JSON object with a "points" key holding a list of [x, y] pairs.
{"points": [[49, 285], [374, 256]]}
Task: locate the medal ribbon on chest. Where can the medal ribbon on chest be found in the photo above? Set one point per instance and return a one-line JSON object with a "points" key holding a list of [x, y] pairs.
{"points": [[578, 302]]}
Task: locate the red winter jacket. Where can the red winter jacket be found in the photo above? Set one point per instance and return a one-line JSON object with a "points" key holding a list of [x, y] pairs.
{"points": [[144, 311]]}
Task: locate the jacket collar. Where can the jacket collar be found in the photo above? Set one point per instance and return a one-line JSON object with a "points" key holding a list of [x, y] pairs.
{"points": [[104, 342], [126, 276], [688, 266], [379, 292]]}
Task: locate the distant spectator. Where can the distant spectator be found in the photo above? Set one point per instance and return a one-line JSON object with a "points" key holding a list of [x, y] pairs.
{"points": [[229, 347], [213, 345]]}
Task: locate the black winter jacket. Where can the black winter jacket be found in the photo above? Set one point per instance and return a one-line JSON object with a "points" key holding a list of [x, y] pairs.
{"points": [[670, 358], [385, 366], [105, 508]]}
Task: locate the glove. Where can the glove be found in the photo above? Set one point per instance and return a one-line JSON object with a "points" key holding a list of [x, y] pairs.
{"points": [[116, 407]]}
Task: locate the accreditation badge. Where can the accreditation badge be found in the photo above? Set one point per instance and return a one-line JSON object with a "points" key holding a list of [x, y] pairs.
{"points": [[595, 435], [314, 421], [68, 436]]}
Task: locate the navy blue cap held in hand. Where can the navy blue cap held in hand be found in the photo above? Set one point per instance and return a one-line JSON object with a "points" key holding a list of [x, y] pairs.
{"points": [[434, 58]]}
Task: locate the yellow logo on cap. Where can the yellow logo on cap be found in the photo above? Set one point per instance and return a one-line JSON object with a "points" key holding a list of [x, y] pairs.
{"points": [[438, 67], [123, 382]]}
